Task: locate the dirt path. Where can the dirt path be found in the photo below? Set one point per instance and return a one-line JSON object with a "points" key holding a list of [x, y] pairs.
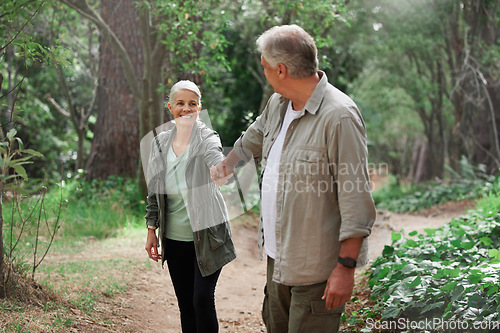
{"points": [[150, 304]]}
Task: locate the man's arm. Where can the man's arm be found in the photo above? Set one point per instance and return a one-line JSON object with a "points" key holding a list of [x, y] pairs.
{"points": [[340, 284], [348, 152], [247, 146]]}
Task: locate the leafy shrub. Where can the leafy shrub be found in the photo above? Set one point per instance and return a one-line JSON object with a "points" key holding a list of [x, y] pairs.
{"points": [[393, 190], [469, 182], [452, 273]]}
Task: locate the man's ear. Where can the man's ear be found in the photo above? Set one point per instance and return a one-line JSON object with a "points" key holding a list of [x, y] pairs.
{"points": [[282, 70]]}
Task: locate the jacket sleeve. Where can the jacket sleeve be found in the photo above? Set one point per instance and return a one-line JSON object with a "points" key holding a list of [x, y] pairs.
{"points": [[152, 181], [213, 152], [152, 210]]}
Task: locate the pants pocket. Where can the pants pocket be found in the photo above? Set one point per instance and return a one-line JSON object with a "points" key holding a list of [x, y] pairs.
{"points": [[265, 308], [318, 308], [322, 319]]}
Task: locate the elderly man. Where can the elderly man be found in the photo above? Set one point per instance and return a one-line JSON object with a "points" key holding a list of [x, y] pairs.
{"points": [[316, 204]]}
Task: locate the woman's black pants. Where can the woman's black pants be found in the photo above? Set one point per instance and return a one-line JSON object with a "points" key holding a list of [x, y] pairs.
{"points": [[195, 293]]}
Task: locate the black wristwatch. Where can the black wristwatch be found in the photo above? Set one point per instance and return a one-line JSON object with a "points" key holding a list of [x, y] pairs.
{"points": [[347, 262]]}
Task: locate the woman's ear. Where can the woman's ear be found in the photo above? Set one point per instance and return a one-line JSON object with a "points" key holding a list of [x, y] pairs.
{"points": [[169, 108]]}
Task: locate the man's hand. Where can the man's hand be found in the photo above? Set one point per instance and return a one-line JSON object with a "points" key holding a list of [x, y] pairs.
{"points": [[152, 245], [339, 287], [224, 170], [220, 173]]}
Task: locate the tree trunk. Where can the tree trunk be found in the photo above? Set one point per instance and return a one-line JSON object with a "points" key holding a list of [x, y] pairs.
{"points": [[2, 265], [421, 168], [115, 148]]}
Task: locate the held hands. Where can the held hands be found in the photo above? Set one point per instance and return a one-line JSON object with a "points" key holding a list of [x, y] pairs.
{"points": [[339, 287], [152, 245], [220, 173]]}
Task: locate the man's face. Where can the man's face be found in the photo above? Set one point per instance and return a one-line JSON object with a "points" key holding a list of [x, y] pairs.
{"points": [[270, 73]]}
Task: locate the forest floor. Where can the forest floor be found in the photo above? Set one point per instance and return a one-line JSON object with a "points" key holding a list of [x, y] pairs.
{"points": [[148, 303]]}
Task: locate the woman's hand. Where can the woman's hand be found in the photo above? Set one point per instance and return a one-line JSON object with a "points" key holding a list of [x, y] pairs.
{"points": [[217, 177], [152, 245]]}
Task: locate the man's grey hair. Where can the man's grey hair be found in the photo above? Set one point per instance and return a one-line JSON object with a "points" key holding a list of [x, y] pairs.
{"points": [[187, 85], [292, 46]]}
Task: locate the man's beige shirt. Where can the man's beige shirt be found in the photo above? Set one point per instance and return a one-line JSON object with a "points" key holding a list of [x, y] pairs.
{"points": [[323, 192]]}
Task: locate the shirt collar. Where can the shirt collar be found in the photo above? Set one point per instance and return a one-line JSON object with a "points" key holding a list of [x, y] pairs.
{"points": [[313, 103]]}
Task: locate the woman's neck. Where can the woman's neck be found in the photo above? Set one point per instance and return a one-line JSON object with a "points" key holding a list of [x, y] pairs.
{"points": [[182, 139]]}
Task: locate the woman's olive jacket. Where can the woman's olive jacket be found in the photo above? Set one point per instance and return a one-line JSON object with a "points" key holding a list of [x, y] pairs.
{"points": [[205, 205]]}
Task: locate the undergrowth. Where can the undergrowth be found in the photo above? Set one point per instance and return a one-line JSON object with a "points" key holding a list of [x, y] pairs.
{"points": [[469, 183], [101, 208], [90, 211], [447, 276]]}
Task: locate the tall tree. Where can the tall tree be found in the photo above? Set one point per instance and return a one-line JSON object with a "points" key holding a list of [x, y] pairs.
{"points": [[471, 40], [77, 79], [442, 60], [115, 147]]}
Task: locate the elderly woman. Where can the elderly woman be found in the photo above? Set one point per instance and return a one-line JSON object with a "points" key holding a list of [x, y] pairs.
{"points": [[188, 210]]}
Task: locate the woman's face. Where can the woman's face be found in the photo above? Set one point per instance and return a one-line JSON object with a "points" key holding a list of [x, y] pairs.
{"points": [[185, 107]]}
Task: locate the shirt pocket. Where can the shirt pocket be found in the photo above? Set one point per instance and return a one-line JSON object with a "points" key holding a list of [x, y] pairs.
{"points": [[310, 161]]}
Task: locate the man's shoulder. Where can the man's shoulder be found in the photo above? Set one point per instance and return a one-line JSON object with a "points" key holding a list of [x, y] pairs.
{"points": [[336, 97], [276, 100], [338, 105]]}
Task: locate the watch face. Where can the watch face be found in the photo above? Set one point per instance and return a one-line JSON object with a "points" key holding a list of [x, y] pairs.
{"points": [[347, 262]]}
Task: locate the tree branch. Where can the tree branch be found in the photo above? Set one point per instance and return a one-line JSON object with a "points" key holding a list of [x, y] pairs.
{"points": [[56, 105], [82, 7]]}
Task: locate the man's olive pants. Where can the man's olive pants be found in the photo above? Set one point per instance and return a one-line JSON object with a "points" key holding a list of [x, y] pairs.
{"points": [[297, 309]]}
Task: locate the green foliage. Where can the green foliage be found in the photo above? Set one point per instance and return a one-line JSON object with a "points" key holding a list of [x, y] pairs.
{"points": [[191, 32], [431, 194], [489, 205], [94, 210], [469, 182], [101, 208], [391, 191], [392, 125], [28, 52], [450, 273], [13, 158]]}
